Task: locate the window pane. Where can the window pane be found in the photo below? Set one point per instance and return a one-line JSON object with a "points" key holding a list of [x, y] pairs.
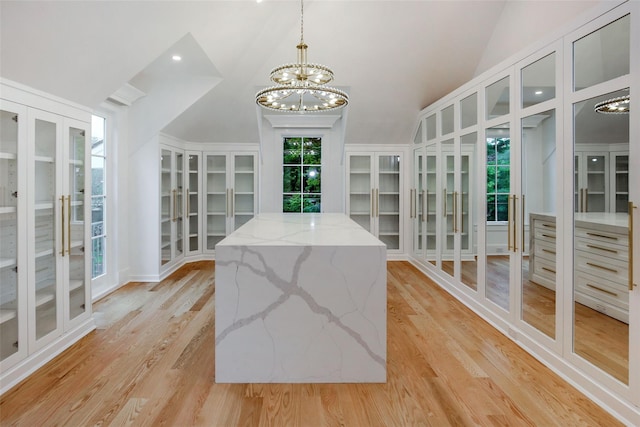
{"points": [[502, 207], [97, 256], [539, 81], [312, 151], [491, 208], [311, 204], [502, 180], [311, 179], [291, 203], [497, 99], [291, 151], [291, 179]]}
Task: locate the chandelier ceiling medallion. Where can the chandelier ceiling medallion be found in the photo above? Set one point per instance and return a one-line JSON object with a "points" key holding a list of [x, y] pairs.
{"points": [[301, 87], [619, 105]]}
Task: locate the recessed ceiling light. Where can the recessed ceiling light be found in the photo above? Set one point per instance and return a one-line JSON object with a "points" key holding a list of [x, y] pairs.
{"points": [[176, 58], [538, 92]]}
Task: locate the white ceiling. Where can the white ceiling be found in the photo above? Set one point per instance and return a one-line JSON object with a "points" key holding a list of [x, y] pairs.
{"points": [[392, 57]]}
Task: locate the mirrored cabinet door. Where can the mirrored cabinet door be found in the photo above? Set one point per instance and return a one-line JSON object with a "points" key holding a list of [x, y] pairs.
{"points": [[468, 214], [500, 215], [601, 224], [192, 193]]}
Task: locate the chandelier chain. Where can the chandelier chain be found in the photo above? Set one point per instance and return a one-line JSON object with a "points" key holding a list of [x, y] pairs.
{"points": [[301, 21]]}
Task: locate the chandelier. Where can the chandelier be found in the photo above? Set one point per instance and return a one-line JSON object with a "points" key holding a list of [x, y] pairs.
{"points": [[619, 105], [301, 87]]}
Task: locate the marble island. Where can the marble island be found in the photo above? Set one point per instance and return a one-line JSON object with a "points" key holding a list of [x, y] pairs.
{"points": [[300, 298]]}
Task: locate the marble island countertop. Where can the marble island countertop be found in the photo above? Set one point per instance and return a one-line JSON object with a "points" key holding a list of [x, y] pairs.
{"points": [[292, 229], [591, 219]]}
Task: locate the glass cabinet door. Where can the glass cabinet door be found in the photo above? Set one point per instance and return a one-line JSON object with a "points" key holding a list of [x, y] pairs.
{"points": [[243, 191], [467, 212], [388, 200], [10, 304], [179, 195], [49, 214], [430, 200], [361, 192], [417, 208], [166, 206], [193, 192], [449, 205], [76, 223], [217, 203]]}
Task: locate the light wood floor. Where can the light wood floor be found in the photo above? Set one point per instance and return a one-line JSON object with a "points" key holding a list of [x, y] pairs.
{"points": [[151, 362]]}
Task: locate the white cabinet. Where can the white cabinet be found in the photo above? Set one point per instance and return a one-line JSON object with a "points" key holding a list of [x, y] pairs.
{"points": [[230, 199], [591, 178], [45, 297], [171, 206], [374, 186], [193, 209]]}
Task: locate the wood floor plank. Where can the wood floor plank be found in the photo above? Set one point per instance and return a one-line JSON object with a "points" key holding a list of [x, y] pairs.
{"points": [[151, 363]]}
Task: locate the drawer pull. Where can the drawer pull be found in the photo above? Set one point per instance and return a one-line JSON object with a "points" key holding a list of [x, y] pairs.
{"points": [[602, 268], [549, 225], [549, 270], [548, 235], [602, 235], [549, 251], [601, 290], [600, 248]]}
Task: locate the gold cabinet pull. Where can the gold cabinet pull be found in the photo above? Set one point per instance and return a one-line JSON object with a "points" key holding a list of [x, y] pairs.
{"points": [[455, 211], [630, 210], [604, 236], [175, 211], [601, 267], [549, 251], [598, 288], [549, 270], [232, 211], [62, 224], [544, 224], [586, 200], [462, 212], [69, 225], [188, 203], [445, 203], [600, 248], [509, 247], [522, 225], [425, 201], [373, 203], [412, 203], [515, 231]]}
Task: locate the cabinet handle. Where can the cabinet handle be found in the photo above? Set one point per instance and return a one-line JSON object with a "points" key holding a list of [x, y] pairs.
{"points": [[613, 251], [601, 267], [377, 202], [455, 211], [188, 203], [630, 209], [373, 203], [586, 200], [549, 270], [548, 235], [604, 236], [175, 211], [598, 288], [425, 201], [462, 212], [69, 225], [523, 221], [515, 230], [233, 207], [549, 225], [549, 251], [226, 207], [509, 247], [580, 201], [62, 223], [412, 203], [444, 213]]}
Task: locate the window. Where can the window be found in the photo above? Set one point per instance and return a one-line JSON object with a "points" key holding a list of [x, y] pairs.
{"points": [[301, 160], [98, 196], [498, 177]]}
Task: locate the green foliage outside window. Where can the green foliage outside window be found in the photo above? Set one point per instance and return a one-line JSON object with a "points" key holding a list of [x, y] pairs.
{"points": [[498, 178], [301, 174]]}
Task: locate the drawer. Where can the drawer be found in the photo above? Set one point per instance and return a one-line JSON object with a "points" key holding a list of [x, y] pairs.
{"points": [[602, 236], [545, 234], [603, 290], [544, 250], [545, 225], [603, 248], [613, 269]]}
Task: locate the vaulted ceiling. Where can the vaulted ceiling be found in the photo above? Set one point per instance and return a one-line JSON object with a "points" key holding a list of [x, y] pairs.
{"points": [[392, 57]]}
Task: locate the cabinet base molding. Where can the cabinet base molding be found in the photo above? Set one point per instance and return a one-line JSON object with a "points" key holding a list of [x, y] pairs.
{"points": [[11, 377]]}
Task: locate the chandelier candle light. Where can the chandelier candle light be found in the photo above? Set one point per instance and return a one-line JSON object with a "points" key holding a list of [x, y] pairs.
{"points": [[618, 105], [301, 87]]}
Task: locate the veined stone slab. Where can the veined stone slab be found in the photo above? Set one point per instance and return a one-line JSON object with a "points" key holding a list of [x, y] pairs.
{"points": [[301, 298]]}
